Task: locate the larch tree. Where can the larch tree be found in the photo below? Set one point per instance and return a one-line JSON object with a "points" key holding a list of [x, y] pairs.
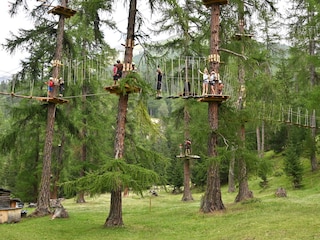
{"points": [[115, 214], [43, 200], [185, 19], [304, 26], [89, 47]]}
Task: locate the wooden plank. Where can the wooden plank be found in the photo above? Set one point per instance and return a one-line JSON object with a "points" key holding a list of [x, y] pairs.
{"points": [[239, 36], [213, 98], [42, 99], [209, 3], [115, 89], [54, 100], [188, 156], [60, 10]]}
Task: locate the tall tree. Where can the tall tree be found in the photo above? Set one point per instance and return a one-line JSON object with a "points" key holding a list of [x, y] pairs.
{"points": [[212, 200], [115, 214], [244, 192], [304, 25]]}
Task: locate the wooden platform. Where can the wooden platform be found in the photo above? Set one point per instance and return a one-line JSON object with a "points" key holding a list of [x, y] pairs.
{"points": [[188, 156], [240, 36], [51, 99], [209, 3], [60, 10], [173, 96], [115, 89], [42, 99], [213, 98]]}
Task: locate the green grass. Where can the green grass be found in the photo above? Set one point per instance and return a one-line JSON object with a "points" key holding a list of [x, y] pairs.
{"points": [[167, 217]]}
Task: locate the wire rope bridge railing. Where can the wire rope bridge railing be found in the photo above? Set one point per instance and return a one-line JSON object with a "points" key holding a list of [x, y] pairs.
{"points": [[182, 77], [287, 115]]}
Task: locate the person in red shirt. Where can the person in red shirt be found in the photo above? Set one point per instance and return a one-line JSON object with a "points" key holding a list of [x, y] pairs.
{"points": [[50, 84]]}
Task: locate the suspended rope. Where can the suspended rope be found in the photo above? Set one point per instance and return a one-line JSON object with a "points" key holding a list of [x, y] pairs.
{"points": [[298, 121], [306, 119]]}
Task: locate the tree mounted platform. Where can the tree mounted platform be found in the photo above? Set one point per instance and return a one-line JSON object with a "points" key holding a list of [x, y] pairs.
{"points": [[188, 156], [60, 10], [239, 36], [54, 100], [115, 89], [213, 98], [209, 3], [173, 96], [42, 99]]}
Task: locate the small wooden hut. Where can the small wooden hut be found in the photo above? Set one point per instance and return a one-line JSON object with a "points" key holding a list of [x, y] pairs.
{"points": [[10, 212]]}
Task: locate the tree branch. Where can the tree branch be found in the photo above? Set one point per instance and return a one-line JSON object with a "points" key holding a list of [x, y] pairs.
{"points": [[234, 53]]}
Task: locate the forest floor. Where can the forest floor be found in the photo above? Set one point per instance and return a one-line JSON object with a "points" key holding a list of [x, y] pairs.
{"points": [[167, 217]]}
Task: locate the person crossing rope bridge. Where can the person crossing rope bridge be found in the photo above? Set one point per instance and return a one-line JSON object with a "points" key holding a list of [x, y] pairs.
{"points": [[159, 81]]}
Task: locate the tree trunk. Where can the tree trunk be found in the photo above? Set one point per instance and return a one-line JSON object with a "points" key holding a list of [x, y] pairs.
{"points": [[57, 170], [262, 139], [231, 182], [313, 157], [187, 196], [312, 72], [115, 215], [244, 192], [43, 202], [212, 200], [258, 141], [83, 134]]}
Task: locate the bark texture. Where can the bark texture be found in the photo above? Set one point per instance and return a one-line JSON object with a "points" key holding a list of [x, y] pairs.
{"points": [[43, 201], [115, 214], [212, 200]]}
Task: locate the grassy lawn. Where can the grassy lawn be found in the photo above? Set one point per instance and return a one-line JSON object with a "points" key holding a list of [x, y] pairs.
{"points": [[167, 217]]}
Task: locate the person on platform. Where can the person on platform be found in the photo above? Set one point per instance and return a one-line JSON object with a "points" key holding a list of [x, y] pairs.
{"points": [[220, 87], [212, 82], [205, 82], [115, 76], [119, 69], [50, 85], [61, 87], [187, 147], [159, 81]]}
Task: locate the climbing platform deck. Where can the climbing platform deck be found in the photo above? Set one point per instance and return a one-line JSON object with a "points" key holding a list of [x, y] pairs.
{"points": [[213, 98], [208, 3], [60, 10], [115, 89]]}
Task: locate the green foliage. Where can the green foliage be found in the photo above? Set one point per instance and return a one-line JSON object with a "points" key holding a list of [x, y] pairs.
{"points": [[293, 166], [264, 170], [111, 176]]}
